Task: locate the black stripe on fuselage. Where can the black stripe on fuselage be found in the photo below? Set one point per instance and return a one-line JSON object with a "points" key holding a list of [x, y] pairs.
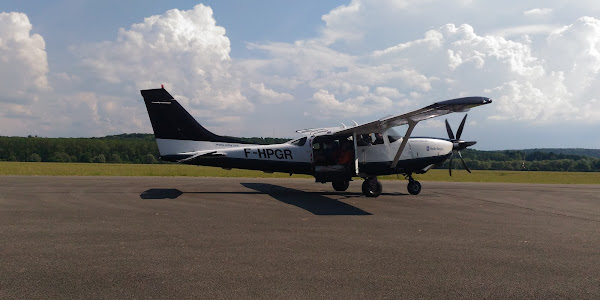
{"points": [[253, 164], [372, 168]]}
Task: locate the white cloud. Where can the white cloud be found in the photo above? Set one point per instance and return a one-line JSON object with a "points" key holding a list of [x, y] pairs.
{"points": [[538, 12], [535, 80], [362, 105], [23, 65], [269, 96], [185, 50], [329, 106], [519, 31]]}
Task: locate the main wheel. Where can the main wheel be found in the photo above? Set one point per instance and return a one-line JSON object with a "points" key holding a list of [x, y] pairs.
{"points": [[371, 187], [340, 186], [414, 187]]}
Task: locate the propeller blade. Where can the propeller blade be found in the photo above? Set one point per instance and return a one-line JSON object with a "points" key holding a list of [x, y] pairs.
{"points": [[463, 162], [449, 130], [450, 164], [460, 128]]}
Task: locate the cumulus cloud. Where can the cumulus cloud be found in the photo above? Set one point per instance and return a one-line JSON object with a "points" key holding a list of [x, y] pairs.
{"points": [[536, 80], [23, 65], [269, 96], [558, 82], [185, 50], [362, 105]]}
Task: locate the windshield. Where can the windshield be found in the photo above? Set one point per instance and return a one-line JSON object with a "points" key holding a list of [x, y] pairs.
{"points": [[299, 142], [393, 134]]}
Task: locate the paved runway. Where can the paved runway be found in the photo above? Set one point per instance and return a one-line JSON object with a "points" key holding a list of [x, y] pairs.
{"points": [[189, 238]]}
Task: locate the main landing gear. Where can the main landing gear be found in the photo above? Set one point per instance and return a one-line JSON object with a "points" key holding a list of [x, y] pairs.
{"points": [[371, 187], [341, 185], [414, 187]]}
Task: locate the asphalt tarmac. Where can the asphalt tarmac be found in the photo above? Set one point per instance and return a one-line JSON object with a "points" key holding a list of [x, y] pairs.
{"points": [[240, 238]]}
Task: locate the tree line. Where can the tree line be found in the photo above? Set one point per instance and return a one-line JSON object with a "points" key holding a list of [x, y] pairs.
{"points": [[139, 148], [528, 160], [134, 148]]}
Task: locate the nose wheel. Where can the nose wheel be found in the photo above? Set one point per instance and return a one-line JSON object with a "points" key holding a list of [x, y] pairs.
{"points": [[372, 187], [414, 187]]}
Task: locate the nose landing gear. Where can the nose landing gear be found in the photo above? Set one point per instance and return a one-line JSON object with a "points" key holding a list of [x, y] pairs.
{"points": [[414, 187]]}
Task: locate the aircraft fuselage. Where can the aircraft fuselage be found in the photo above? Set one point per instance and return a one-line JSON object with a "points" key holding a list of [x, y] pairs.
{"points": [[292, 157]]}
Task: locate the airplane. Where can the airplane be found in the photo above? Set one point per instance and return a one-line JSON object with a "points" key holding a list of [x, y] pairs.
{"points": [[336, 154]]}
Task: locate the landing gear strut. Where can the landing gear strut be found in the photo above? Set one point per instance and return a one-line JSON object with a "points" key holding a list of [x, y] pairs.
{"points": [[371, 187], [414, 187]]}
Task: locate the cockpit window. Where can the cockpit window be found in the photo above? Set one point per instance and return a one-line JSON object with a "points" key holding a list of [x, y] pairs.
{"points": [[393, 135], [299, 142]]}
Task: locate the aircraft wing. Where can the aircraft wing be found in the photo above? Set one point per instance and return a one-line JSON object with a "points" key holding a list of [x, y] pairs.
{"points": [[320, 131], [428, 112]]}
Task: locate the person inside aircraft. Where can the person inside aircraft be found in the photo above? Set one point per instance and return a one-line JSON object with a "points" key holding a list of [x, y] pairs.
{"points": [[330, 151], [319, 155], [378, 139], [345, 154], [364, 140]]}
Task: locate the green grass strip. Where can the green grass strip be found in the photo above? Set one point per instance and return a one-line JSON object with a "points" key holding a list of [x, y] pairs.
{"points": [[81, 169]]}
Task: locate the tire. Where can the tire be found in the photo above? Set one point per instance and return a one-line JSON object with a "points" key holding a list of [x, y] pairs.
{"points": [[340, 186], [414, 187], [372, 187]]}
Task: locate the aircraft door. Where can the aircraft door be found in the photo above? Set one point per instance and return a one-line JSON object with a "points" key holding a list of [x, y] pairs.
{"points": [[333, 157]]}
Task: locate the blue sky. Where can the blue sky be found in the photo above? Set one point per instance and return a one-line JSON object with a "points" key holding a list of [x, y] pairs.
{"points": [[264, 68]]}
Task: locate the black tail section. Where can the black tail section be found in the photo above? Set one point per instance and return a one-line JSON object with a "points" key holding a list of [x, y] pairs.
{"points": [[171, 121]]}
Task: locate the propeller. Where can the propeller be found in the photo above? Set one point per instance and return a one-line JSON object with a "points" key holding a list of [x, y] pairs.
{"points": [[458, 144]]}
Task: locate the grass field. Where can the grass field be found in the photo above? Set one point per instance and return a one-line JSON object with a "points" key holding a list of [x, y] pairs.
{"points": [[79, 169]]}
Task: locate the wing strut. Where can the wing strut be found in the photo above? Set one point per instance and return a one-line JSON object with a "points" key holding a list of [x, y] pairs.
{"points": [[411, 126], [355, 153]]}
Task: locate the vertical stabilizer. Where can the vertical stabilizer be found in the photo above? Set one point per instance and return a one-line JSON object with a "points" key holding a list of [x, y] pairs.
{"points": [[171, 121]]}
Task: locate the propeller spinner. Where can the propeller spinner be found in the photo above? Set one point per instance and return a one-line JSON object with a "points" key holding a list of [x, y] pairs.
{"points": [[458, 144]]}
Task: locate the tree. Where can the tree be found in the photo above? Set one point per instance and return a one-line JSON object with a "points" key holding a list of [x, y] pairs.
{"points": [[60, 157], [100, 159], [86, 157], [34, 157], [583, 166], [115, 158], [149, 159]]}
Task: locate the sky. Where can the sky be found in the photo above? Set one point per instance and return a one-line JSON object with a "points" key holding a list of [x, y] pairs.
{"points": [[268, 68]]}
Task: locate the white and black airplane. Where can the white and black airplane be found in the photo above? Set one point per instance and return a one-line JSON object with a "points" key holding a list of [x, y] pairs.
{"points": [[333, 155]]}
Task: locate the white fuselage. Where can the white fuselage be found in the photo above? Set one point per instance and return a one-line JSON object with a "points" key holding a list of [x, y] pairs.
{"points": [[294, 152]]}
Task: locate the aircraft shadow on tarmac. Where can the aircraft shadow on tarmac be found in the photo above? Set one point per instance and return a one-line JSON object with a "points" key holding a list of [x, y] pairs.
{"points": [[314, 202], [161, 194]]}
